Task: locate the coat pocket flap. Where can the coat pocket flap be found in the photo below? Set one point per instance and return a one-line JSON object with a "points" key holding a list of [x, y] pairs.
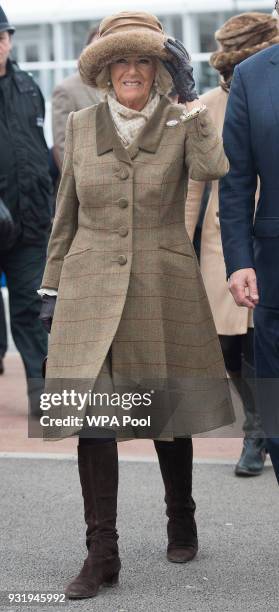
{"points": [[267, 227], [185, 249]]}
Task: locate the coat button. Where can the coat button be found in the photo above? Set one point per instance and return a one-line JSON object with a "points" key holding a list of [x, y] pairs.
{"points": [[122, 260], [122, 203], [123, 174], [123, 231]]}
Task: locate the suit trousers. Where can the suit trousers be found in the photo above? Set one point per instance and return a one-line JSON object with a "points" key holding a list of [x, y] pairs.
{"points": [[267, 373], [238, 353], [23, 266]]}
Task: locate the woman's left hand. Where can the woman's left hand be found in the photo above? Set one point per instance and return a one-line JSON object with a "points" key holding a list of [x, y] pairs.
{"points": [[47, 311], [181, 71]]}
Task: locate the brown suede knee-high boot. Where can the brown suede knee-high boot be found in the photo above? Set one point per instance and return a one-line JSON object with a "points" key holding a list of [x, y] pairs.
{"points": [[98, 471], [176, 463]]}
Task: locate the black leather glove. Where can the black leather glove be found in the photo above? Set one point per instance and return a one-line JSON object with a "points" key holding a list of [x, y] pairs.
{"points": [[47, 311], [181, 71]]}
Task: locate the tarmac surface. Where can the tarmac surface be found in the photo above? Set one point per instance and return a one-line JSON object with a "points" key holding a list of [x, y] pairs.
{"points": [[42, 532], [42, 539]]}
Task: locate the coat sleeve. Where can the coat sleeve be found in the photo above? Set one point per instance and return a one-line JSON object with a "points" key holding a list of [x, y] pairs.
{"points": [[66, 216], [237, 190], [62, 105], [42, 100], [193, 206], [204, 153]]}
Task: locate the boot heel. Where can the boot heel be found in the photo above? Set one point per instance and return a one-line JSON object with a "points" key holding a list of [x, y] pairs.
{"points": [[112, 581]]}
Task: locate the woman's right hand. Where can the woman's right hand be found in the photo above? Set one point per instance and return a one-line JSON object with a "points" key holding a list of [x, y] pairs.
{"points": [[47, 311], [181, 71]]}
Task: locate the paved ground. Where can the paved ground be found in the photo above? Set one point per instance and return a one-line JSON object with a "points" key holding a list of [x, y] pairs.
{"points": [[42, 530], [42, 539]]}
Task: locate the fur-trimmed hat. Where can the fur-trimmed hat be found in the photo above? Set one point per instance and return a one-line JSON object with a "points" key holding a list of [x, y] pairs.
{"points": [[242, 36], [126, 33]]}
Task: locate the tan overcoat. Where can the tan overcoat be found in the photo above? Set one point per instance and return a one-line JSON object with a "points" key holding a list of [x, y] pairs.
{"points": [[229, 318], [125, 269], [70, 95]]}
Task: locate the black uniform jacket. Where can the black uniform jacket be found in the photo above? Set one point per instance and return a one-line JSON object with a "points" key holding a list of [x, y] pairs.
{"points": [[25, 184]]}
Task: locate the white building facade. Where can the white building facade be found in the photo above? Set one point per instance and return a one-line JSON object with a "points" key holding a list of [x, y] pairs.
{"points": [[49, 36]]}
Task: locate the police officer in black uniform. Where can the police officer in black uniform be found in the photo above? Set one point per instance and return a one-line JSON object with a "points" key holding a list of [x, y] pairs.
{"points": [[25, 189]]}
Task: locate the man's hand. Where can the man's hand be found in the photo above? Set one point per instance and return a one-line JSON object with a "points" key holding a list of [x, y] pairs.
{"points": [[243, 287]]}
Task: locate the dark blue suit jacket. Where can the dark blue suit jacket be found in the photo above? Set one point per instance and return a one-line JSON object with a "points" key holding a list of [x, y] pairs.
{"points": [[251, 141]]}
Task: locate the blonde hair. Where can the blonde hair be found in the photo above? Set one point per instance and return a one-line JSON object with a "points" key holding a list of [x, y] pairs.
{"points": [[163, 82]]}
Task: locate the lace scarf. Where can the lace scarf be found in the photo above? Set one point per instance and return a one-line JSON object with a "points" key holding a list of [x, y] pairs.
{"points": [[129, 122]]}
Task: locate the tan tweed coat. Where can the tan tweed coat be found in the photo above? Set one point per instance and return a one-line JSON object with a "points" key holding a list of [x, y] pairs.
{"points": [[228, 317], [125, 269]]}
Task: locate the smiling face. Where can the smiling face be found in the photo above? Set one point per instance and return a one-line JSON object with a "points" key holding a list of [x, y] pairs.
{"points": [[5, 48], [132, 79]]}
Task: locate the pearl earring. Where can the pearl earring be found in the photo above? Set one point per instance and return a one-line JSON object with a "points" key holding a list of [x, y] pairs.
{"points": [[109, 83]]}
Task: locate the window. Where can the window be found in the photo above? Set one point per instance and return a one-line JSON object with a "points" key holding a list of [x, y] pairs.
{"points": [[208, 24], [80, 31], [172, 25], [208, 77], [32, 53]]}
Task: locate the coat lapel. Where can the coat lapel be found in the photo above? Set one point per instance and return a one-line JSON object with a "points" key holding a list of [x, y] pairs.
{"points": [[148, 139], [273, 68], [106, 135]]}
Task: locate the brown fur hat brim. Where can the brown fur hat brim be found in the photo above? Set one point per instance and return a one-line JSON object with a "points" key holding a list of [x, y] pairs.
{"points": [[104, 51]]}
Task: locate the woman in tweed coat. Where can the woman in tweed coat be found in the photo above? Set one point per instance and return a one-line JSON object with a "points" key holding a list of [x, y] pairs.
{"points": [[131, 306]]}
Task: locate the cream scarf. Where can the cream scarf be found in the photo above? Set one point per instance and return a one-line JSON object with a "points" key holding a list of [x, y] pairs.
{"points": [[129, 122]]}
